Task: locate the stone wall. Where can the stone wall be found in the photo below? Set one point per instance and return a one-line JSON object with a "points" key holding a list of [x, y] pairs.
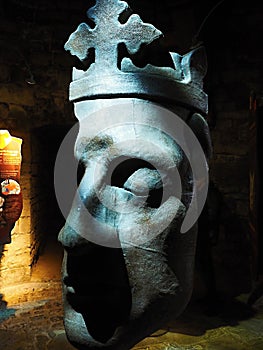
{"points": [[34, 79], [235, 60], [35, 72]]}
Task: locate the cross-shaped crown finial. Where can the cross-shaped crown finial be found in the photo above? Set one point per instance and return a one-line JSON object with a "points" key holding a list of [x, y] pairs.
{"points": [[181, 84], [109, 33]]}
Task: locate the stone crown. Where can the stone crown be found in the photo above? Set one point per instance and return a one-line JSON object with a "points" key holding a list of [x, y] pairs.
{"points": [[182, 84]]}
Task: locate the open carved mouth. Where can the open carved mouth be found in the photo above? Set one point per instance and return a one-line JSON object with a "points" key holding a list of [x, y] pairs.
{"points": [[98, 289]]}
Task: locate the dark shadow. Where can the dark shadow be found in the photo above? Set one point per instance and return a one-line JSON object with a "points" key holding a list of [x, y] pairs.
{"points": [[223, 252], [46, 142], [208, 233], [256, 293], [196, 321], [102, 291], [220, 241], [129, 166], [47, 218]]}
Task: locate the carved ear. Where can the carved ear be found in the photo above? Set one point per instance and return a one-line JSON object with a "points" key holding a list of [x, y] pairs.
{"points": [[194, 65], [201, 130]]}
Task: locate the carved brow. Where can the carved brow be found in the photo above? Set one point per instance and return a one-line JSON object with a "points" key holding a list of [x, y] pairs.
{"points": [[97, 143]]}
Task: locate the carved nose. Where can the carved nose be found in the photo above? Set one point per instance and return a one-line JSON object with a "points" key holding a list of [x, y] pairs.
{"points": [[72, 241], [101, 287]]}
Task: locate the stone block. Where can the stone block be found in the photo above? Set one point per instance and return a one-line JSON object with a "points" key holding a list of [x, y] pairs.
{"points": [[17, 112], [228, 142], [26, 208], [18, 261], [23, 225], [243, 132], [14, 276], [59, 102], [4, 110], [223, 125], [230, 171], [23, 96]]}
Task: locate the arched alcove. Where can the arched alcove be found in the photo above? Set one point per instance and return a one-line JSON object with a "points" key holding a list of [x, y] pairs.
{"points": [[46, 216]]}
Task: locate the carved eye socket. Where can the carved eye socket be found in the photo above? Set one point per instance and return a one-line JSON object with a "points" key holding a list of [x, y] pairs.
{"points": [[80, 171], [139, 177]]}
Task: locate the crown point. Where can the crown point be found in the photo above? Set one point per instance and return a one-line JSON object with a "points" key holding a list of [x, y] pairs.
{"points": [[78, 41], [182, 83]]}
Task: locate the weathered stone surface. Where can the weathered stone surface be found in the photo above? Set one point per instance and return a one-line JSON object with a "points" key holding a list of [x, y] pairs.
{"points": [[23, 96], [30, 324], [4, 110], [126, 210], [17, 112], [122, 219]]}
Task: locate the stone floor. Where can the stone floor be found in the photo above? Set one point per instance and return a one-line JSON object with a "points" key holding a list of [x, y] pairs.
{"points": [[31, 319], [38, 325]]}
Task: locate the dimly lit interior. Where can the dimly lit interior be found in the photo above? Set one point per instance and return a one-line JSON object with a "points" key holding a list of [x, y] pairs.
{"points": [[226, 308]]}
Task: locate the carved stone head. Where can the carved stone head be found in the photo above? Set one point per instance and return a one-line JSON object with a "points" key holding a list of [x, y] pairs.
{"points": [[141, 183]]}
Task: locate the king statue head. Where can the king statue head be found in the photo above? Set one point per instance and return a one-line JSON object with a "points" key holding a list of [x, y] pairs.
{"points": [[141, 183]]}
